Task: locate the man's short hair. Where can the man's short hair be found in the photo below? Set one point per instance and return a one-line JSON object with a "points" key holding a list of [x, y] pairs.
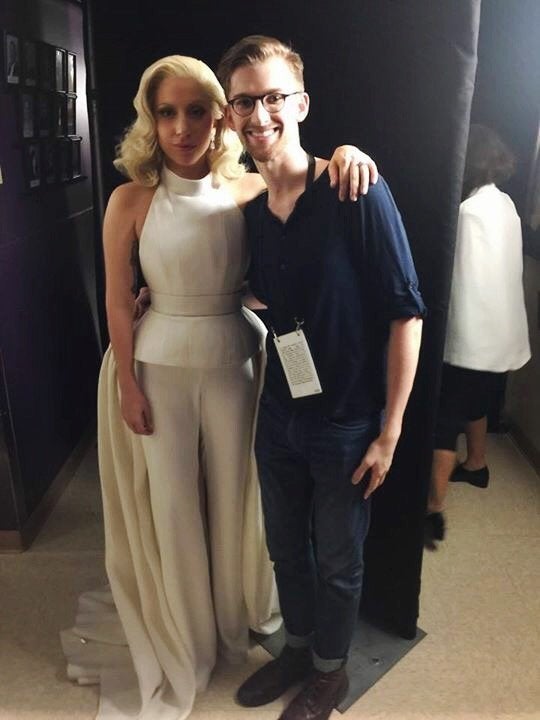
{"points": [[255, 49]]}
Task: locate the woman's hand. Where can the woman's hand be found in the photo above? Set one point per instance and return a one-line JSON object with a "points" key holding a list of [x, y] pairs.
{"points": [[353, 169], [136, 410]]}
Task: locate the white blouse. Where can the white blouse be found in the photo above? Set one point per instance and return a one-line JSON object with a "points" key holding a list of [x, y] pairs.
{"points": [[487, 321]]}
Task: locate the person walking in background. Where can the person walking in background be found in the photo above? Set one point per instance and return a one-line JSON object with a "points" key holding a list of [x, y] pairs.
{"points": [[486, 333]]}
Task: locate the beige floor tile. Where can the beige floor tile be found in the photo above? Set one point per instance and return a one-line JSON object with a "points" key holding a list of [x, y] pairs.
{"points": [[480, 606], [38, 599], [76, 525]]}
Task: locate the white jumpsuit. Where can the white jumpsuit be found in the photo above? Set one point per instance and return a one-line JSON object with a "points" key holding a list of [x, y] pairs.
{"points": [[185, 550]]}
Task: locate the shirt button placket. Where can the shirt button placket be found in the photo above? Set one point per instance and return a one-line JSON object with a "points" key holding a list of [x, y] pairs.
{"points": [[282, 264]]}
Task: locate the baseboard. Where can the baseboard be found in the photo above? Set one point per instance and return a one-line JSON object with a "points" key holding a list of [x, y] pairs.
{"points": [[530, 451], [17, 541], [11, 541]]}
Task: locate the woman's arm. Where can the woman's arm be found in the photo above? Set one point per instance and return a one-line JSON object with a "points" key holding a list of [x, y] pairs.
{"points": [[350, 169], [120, 243], [246, 188]]}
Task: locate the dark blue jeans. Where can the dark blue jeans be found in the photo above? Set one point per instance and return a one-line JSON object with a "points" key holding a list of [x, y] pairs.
{"points": [[316, 519]]}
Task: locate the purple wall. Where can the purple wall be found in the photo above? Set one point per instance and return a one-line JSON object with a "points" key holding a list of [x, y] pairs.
{"points": [[48, 319]]}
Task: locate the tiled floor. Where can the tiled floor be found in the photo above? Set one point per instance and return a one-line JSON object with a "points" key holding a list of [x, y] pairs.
{"points": [[480, 606]]}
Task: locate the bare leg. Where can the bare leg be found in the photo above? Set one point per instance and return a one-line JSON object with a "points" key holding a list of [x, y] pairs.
{"points": [[443, 464], [476, 431]]}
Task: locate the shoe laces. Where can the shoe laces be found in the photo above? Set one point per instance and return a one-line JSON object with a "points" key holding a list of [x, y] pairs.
{"points": [[315, 688]]}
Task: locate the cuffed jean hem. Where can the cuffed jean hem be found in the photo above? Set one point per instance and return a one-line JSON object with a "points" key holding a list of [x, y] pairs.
{"points": [[298, 641], [327, 666]]}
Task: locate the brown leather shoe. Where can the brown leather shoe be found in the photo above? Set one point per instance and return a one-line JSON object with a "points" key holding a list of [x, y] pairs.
{"points": [[277, 676], [319, 697]]}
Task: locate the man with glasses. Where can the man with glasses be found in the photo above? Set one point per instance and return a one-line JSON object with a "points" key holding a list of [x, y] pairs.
{"points": [[341, 291], [244, 105]]}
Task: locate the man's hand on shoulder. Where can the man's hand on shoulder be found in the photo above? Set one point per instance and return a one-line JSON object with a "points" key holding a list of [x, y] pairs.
{"points": [[142, 303]]}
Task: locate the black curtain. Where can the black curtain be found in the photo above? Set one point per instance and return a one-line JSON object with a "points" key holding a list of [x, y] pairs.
{"points": [[395, 77]]}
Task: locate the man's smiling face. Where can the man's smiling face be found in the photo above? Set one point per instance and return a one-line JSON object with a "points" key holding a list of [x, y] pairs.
{"points": [[266, 135]]}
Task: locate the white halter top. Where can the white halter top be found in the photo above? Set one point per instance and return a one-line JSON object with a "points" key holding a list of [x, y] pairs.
{"points": [[194, 256]]}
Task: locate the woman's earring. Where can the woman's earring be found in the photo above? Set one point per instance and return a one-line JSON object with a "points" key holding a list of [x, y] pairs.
{"points": [[213, 144]]}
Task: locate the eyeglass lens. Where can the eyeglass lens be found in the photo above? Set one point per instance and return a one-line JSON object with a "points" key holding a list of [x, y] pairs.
{"points": [[244, 105]]}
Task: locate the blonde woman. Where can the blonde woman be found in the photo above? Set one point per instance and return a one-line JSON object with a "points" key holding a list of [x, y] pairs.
{"points": [[185, 550]]}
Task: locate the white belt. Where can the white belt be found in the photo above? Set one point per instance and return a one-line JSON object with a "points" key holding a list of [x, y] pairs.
{"points": [[193, 305]]}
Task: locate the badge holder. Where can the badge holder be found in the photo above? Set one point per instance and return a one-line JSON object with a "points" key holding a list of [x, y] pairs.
{"points": [[297, 362]]}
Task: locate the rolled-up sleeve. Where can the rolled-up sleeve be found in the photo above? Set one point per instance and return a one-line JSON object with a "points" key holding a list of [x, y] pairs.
{"points": [[392, 274]]}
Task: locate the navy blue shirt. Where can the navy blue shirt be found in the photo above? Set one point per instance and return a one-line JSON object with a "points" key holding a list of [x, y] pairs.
{"points": [[346, 270]]}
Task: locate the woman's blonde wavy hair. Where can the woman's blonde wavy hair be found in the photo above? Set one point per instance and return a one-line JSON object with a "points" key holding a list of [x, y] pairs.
{"points": [[139, 156]]}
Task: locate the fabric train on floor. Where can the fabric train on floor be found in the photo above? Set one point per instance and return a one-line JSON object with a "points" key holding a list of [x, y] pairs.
{"points": [[166, 677]]}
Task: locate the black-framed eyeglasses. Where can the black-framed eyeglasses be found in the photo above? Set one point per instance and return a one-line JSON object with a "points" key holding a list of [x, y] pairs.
{"points": [[244, 105]]}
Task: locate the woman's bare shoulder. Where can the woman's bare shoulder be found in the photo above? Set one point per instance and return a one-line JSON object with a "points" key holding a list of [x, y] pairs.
{"points": [[129, 204], [127, 208], [131, 195], [246, 188]]}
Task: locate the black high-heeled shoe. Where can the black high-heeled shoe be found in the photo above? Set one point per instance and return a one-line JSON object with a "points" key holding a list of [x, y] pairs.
{"points": [[478, 478], [434, 529]]}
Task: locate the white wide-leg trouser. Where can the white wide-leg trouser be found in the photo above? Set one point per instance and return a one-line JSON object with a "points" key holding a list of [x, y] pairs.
{"points": [[197, 461], [185, 550]]}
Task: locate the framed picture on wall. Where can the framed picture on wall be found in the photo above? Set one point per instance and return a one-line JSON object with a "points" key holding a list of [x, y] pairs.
{"points": [[44, 114], [76, 157], [46, 59], [29, 64], [28, 124], [12, 59], [60, 69], [32, 165], [59, 115], [48, 162], [71, 115], [64, 159], [71, 73]]}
